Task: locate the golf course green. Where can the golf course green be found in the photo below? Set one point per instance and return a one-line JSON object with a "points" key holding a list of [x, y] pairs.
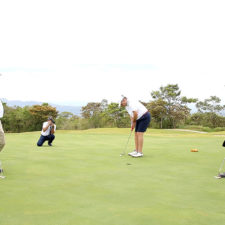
{"points": [[82, 180]]}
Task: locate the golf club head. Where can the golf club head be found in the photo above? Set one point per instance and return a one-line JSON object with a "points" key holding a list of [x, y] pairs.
{"points": [[220, 175], [124, 151], [1, 173]]}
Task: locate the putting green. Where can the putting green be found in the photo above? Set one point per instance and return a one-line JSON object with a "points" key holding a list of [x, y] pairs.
{"points": [[82, 180]]}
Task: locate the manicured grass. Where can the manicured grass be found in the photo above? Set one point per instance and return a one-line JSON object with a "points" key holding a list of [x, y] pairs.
{"points": [[82, 180]]}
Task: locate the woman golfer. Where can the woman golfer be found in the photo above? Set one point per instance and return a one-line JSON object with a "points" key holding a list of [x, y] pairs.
{"points": [[140, 119]]}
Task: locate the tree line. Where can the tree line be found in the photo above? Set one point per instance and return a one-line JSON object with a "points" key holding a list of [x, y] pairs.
{"points": [[168, 109]]}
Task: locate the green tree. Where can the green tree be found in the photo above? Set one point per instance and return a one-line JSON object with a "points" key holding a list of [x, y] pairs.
{"points": [[40, 113], [158, 110], [91, 109], [176, 106], [212, 105], [17, 119], [92, 112], [212, 110], [116, 116]]}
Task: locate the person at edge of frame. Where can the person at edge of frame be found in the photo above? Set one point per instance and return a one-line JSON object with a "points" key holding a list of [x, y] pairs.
{"points": [[2, 135]]}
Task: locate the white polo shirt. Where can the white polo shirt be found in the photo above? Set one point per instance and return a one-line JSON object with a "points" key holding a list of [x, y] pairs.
{"points": [[136, 106], [47, 132], [1, 110]]}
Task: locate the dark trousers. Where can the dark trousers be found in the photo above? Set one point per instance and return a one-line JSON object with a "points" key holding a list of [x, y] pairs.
{"points": [[42, 139]]}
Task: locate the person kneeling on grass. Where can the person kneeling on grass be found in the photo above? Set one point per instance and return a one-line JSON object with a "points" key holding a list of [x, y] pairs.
{"points": [[140, 120], [47, 133]]}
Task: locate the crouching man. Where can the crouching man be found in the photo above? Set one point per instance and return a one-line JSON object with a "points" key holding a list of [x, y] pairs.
{"points": [[47, 133]]}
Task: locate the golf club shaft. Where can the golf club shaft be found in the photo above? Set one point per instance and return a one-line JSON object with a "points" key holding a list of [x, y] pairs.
{"points": [[221, 165], [124, 151]]}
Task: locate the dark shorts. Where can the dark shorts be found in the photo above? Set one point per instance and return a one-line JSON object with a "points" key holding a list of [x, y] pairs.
{"points": [[48, 138], [143, 123]]}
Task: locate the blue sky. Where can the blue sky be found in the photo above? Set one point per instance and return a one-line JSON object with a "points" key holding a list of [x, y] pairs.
{"points": [[89, 50]]}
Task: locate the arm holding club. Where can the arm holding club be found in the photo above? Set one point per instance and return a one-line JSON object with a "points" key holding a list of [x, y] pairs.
{"points": [[133, 120]]}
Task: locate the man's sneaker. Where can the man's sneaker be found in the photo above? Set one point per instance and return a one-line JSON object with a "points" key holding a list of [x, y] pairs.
{"points": [[50, 144], [132, 153], [138, 154]]}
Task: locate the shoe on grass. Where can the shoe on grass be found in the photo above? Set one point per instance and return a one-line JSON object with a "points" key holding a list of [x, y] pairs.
{"points": [[138, 154], [132, 153]]}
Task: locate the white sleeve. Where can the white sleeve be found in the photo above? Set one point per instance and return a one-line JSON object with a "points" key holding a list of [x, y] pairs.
{"points": [[133, 106], [1, 110], [45, 124]]}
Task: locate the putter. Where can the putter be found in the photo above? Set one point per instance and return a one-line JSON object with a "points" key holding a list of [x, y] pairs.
{"points": [[125, 149], [220, 174]]}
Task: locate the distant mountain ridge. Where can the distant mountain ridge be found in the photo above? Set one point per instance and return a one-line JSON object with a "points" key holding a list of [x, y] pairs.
{"points": [[76, 110]]}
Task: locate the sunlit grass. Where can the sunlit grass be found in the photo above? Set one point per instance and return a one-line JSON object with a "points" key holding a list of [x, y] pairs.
{"points": [[82, 179]]}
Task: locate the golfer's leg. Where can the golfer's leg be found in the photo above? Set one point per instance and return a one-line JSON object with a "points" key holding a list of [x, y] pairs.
{"points": [[2, 137], [140, 138], [51, 138], [2, 141], [136, 141], [41, 141]]}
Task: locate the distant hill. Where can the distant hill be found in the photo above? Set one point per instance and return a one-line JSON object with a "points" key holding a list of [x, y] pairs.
{"points": [[76, 110]]}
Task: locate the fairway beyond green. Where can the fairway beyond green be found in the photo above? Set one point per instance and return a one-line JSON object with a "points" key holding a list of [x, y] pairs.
{"points": [[82, 180]]}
